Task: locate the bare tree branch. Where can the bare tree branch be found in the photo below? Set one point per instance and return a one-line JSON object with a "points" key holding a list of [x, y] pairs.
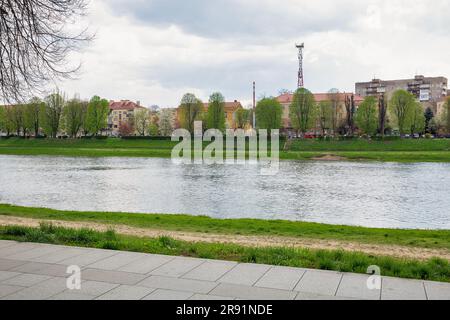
{"points": [[35, 44]]}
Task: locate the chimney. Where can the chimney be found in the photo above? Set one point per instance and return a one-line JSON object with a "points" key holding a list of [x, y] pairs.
{"points": [[138, 103]]}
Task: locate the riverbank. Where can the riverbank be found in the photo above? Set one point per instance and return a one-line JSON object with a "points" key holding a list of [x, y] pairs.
{"points": [[359, 150], [429, 239], [434, 269]]}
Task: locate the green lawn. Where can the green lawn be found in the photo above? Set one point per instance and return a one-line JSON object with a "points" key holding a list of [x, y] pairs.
{"points": [[415, 238], [393, 151], [434, 269]]}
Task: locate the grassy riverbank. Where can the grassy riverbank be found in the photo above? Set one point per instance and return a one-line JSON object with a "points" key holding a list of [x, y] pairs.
{"points": [[394, 151], [434, 269], [200, 224]]}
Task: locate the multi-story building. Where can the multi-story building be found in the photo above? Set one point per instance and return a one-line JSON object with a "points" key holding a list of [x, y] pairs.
{"points": [[121, 112], [336, 99], [428, 90], [230, 112]]}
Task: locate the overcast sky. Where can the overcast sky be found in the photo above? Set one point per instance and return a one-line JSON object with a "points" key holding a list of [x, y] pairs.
{"points": [[157, 50]]}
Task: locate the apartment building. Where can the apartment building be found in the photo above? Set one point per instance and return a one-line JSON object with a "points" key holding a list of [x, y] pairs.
{"points": [[121, 112], [428, 90]]}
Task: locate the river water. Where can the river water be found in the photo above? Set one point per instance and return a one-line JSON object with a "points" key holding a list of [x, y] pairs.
{"points": [[368, 194]]}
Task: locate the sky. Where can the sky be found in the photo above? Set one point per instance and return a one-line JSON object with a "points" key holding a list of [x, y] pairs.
{"points": [[154, 51]]}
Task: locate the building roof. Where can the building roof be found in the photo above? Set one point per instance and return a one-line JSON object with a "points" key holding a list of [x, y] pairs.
{"points": [[124, 105], [319, 97]]}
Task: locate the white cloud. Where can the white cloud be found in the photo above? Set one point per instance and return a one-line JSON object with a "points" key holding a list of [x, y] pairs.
{"points": [[154, 51]]}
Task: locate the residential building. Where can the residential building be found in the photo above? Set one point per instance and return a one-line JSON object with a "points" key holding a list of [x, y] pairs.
{"points": [[337, 100], [230, 112], [428, 90], [121, 112]]}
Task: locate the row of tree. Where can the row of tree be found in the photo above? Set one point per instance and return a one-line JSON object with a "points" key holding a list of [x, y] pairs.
{"points": [[55, 114], [374, 115], [192, 109]]}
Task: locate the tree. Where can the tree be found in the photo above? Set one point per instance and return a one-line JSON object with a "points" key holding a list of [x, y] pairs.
{"points": [[53, 110], [33, 111], [268, 114], [165, 123], [335, 98], [2, 118], [242, 118], [190, 110], [126, 129], [35, 44], [142, 121], [429, 115], [7, 125], [382, 114], [366, 116], [215, 116], [445, 116], [350, 109], [417, 120], [325, 115], [17, 119], [402, 106], [301, 110], [97, 115], [73, 117]]}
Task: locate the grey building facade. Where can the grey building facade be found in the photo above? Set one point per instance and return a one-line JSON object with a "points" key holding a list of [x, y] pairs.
{"points": [[428, 90]]}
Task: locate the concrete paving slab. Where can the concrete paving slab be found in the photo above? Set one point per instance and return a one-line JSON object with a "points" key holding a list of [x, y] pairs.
{"points": [[125, 292], [7, 264], [177, 267], [319, 282], [145, 264], [71, 296], [199, 297], [281, 278], [116, 261], [170, 283], [245, 274], [7, 243], [93, 288], [355, 286], [6, 290], [88, 257], [25, 280], [210, 270], [437, 290], [45, 269], [15, 249], [117, 277], [5, 275], [29, 255], [58, 256], [313, 296], [33, 293], [402, 289], [252, 293], [162, 294]]}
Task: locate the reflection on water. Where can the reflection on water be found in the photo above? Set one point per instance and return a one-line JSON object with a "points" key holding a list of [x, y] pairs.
{"points": [[367, 194]]}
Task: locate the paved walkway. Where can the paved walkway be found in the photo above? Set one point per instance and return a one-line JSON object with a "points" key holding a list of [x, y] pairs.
{"points": [[38, 271]]}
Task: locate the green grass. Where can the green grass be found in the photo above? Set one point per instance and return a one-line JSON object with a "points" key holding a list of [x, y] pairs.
{"points": [[413, 238], [434, 269], [409, 145], [392, 151]]}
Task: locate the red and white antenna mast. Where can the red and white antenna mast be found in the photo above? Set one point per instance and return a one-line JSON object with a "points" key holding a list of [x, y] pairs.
{"points": [[301, 81]]}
